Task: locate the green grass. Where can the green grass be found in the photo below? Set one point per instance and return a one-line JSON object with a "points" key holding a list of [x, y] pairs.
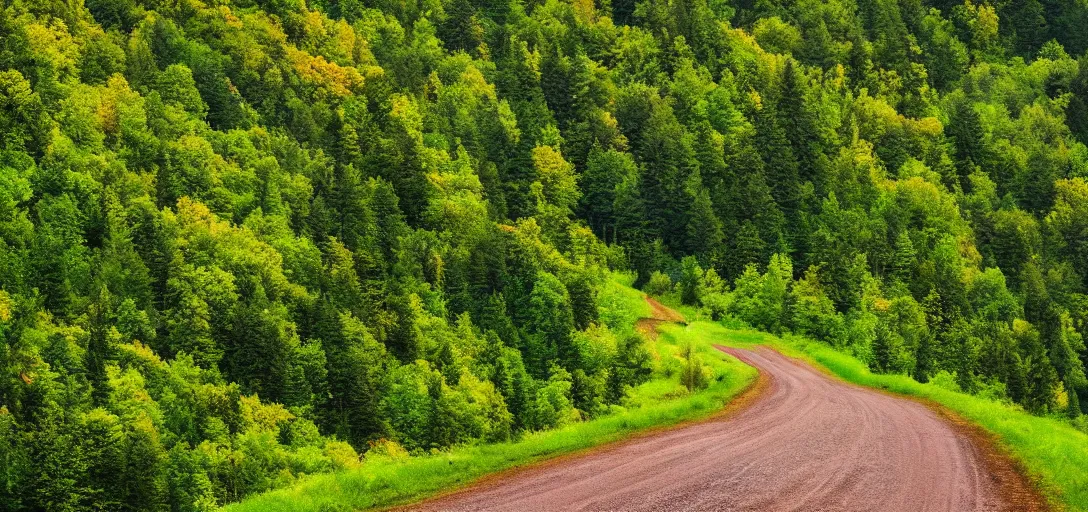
{"points": [[1054, 453], [620, 305], [384, 481]]}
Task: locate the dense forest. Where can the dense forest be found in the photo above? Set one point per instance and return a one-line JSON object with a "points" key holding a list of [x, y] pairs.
{"points": [[242, 241]]}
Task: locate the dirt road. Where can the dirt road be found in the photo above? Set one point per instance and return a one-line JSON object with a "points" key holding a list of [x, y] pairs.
{"points": [[808, 443]]}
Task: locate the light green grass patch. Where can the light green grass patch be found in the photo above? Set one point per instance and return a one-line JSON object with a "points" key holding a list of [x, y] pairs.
{"points": [[620, 305]]}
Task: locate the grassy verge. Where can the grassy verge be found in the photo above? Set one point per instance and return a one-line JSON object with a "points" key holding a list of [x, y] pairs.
{"points": [[663, 401], [1053, 453]]}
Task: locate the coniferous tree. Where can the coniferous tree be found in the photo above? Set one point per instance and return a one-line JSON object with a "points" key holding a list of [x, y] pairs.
{"points": [[227, 261]]}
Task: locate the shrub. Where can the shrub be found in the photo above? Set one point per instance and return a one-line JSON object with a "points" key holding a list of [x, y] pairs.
{"points": [[693, 375], [633, 366], [714, 295], [659, 284]]}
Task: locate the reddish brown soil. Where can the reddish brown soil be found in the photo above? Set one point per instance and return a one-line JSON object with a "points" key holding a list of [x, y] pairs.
{"points": [[808, 442], [663, 312], [659, 314]]}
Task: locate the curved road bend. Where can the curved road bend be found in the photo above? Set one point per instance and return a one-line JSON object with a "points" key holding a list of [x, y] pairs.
{"points": [[808, 443]]}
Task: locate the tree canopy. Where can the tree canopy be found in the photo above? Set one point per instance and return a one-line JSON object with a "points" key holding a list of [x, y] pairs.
{"points": [[244, 241]]}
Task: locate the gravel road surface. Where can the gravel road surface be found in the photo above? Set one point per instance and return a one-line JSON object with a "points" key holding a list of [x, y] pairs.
{"points": [[807, 443]]}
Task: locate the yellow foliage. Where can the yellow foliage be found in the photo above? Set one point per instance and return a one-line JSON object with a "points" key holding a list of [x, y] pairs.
{"points": [[557, 176], [405, 112], [584, 11], [314, 26], [930, 126], [196, 214], [755, 98], [881, 304], [143, 353], [343, 40], [53, 43], [342, 455], [385, 448], [229, 17], [117, 99], [337, 79], [477, 82], [261, 416], [5, 306]]}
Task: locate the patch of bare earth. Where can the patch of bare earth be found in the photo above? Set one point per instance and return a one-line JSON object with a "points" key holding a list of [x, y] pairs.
{"points": [[659, 314]]}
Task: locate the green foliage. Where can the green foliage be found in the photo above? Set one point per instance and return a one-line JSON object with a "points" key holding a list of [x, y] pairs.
{"points": [[693, 374], [236, 235], [761, 300], [660, 283], [713, 294], [691, 275]]}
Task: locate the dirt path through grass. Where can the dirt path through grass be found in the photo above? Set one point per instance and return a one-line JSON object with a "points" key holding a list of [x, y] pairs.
{"points": [[659, 314]]}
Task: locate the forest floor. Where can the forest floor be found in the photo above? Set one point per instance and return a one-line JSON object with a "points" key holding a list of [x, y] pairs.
{"points": [[806, 442]]}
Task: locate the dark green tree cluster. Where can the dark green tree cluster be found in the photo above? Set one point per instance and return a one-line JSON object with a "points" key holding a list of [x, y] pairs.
{"points": [[242, 241]]}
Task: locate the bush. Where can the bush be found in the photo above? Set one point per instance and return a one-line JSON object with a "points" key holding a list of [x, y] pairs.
{"points": [[693, 375], [552, 406], [385, 448], [946, 380], [659, 284], [713, 295], [633, 366]]}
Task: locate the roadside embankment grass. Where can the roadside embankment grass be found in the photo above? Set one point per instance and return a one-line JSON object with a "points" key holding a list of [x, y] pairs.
{"points": [[1053, 453], [383, 481]]}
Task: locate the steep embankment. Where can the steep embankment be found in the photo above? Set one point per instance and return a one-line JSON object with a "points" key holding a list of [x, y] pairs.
{"points": [[811, 443]]}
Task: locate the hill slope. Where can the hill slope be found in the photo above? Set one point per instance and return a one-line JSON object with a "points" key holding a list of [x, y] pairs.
{"points": [[243, 242]]}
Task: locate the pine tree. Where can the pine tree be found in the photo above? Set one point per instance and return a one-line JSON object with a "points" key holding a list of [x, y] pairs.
{"points": [[690, 276], [782, 167], [750, 248], [965, 129], [801, 129], [551, 322], [885, 349], [358, 369], [461, 29], [905, 258], [98, 346], [1073, 409], [923, 359], [1041, 380]]}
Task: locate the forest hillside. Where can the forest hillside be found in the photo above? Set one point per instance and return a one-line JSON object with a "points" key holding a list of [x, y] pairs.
{"points": [[243, 241]]}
